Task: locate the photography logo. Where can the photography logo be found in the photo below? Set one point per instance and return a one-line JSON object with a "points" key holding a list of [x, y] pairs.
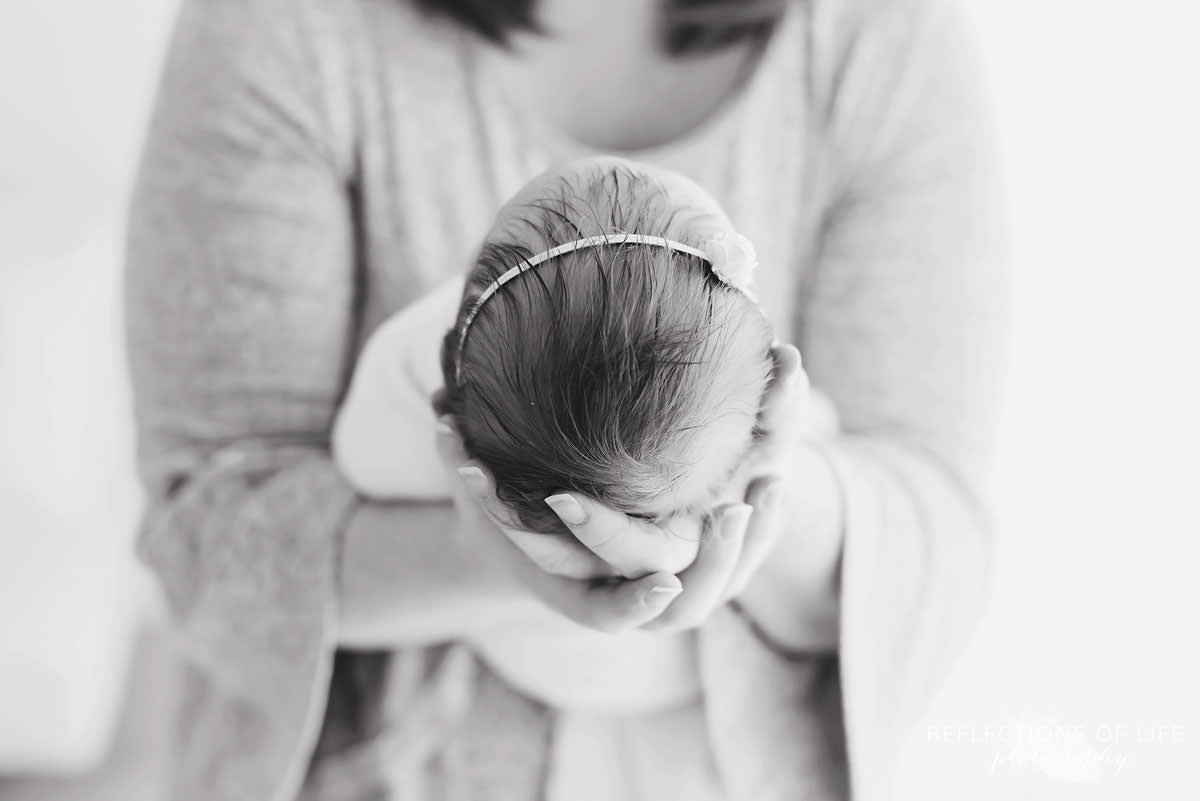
{"points": [[1059, 751], [1056, 749]]}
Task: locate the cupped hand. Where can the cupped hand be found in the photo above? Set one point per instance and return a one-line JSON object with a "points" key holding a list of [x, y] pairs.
{"points": [[587, 593], [622, 572], [740, 537]]}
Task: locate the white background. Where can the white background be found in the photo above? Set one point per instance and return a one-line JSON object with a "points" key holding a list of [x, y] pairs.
{"points": [[1093, 617], [1092, 625]]}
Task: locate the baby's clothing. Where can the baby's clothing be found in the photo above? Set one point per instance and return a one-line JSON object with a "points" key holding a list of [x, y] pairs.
{"points": [[383, 438], [383, 442]]}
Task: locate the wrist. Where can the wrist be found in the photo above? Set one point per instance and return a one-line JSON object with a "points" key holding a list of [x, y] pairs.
{"points": [[814, 514], [403, 581], [788, 620], [807, 552], [478, 570], [794, 598]]}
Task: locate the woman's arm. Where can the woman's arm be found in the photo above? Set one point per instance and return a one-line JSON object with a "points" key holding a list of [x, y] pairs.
{"points": [[406, 581], [241, 326], [383, 443], [241, 323], [902, 326]]}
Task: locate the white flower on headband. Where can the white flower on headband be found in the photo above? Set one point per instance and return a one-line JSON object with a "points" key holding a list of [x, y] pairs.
{"points": [[733, 260]]}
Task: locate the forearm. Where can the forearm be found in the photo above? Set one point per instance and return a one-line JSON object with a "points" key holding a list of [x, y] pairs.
{"points": [[405, 582], [909, 525], [795, 596], [893, 565], [569, 668]]}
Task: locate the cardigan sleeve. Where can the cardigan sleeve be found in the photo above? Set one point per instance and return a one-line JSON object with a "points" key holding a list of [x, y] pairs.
{"points": [[240, 296], [902, 325]]}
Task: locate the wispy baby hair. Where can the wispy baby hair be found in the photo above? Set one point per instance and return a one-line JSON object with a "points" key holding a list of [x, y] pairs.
{"points": [[601, 370]]}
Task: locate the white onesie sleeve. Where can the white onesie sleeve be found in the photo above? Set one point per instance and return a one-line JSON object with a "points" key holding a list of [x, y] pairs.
{"points": [[383, 438]]}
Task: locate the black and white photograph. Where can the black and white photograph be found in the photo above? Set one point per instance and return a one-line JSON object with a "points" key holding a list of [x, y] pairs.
{"points": [[599, 400]]}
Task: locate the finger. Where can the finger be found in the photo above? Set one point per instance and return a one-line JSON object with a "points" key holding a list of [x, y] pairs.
{"points": [[705, 581], [449, 445], [766, 496], [481, 486], [602, 605], [633, 547], [453, 456], [608, 607], [559, 554], [788, 387], [478, 481]]}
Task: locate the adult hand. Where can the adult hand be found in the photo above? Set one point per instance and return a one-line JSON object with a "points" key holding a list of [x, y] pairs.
{"points": [[740, 537], [794, 597], [714, 557], [485, 531]]}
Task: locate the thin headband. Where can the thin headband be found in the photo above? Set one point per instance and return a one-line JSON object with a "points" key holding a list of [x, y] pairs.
{"points": [[553, 253]]}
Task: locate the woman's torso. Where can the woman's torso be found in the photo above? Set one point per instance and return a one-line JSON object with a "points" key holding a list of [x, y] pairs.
{"points": [[435, 148]]}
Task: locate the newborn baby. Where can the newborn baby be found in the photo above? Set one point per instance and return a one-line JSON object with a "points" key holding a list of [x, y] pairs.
{"points": [[606, 342]]}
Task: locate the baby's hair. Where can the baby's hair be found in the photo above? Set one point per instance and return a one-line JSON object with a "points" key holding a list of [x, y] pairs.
{"points": [[595, 371]]}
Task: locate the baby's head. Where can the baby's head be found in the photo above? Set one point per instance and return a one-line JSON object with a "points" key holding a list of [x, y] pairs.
{"points": [[627, 372]]}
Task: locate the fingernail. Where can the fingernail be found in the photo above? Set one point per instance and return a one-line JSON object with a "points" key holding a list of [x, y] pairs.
{"points": [[734, 519], [658, 597], [569, 510], [474, 478]]}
